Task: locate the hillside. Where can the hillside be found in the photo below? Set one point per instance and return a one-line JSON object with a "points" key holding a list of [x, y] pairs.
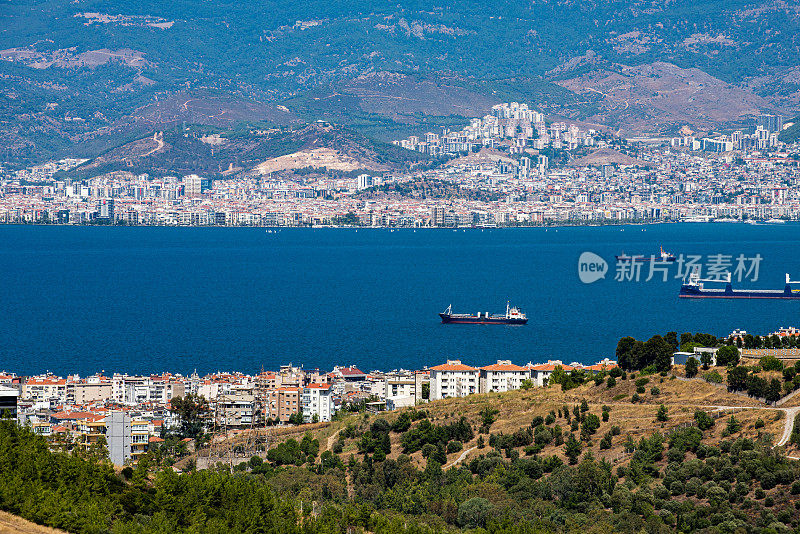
{"points": [[516, 410], [11, 524], [792, 133], [538, 460], [81, 76], [608, 156], [214, 151]]}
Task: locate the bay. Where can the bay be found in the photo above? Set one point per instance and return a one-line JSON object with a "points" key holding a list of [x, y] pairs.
{"points": [[153, 299]]}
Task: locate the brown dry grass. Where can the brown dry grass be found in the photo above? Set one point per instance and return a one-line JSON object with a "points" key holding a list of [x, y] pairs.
{"points": [[12, 524], [518, 408]]}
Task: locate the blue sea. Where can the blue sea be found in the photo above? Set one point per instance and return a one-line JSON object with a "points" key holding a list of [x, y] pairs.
{"points": [[139, 300]]}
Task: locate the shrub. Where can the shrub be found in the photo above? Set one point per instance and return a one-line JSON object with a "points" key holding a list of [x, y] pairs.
{"points": [[759, 423], [649, 370], [655, 391], [733, 426], [691, 367], [454, 446], [542, 436], [474, 512], [642, 382], [714, 377], [611, 382], [640, 389], [727, 355], [402, 423], [530, 450], [591, 423], [703, 420], [770, 363]]}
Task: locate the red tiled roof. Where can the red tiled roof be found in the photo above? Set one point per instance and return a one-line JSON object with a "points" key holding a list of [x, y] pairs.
{"points": [[551, 367], [453, 367], [600, 367], [351, 371], [503, 367], [72, 415]]}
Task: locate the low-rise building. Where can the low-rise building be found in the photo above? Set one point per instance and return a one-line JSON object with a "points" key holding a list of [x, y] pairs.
{"points": [[502, 376], [453, 379], [541, 373]]}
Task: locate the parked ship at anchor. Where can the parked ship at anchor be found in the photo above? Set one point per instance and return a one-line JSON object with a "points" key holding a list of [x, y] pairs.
{"points": [[663, 256], [513, 315], [694, 288]]}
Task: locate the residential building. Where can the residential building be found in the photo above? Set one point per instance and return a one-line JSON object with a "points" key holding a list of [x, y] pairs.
{"points": [[318, 401], [119, 438], [540, 374], [284, 402], [502, 376], [8, 402], [453, 379]]}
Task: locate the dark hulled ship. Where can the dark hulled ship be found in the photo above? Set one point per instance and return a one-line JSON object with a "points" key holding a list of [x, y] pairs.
{"points": [[513, 315], [695, 288]]}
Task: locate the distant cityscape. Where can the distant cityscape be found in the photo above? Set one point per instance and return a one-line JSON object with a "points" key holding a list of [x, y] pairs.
{"points": [[501, 168]]}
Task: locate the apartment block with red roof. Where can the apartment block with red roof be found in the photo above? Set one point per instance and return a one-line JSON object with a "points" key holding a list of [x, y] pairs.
{"points": [[453, 379], [45, 389], [502, 376]]}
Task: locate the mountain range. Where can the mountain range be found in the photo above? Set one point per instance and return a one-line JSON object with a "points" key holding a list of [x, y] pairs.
{"points": [[82, 77]]}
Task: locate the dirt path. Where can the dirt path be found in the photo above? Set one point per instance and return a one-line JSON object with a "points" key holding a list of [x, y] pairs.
{"points": [[332, 440], [788, 424], [159, 139], [461, 457]]}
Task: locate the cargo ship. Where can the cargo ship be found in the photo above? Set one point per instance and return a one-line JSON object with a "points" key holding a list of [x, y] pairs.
{"points": [[513, 315], [663, 256], [694, 289]]}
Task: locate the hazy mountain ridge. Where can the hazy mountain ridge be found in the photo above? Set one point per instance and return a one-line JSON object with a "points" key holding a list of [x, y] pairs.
{"points": [[101, 60]]}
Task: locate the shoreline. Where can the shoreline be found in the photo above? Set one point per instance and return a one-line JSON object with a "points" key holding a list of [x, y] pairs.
{"points": [[414, 228]]}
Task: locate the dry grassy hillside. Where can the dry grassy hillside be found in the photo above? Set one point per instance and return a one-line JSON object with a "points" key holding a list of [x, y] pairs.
{"points": [[11, 524], [516, 411]]}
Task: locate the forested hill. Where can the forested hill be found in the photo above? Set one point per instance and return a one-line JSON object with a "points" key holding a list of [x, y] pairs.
{"points": [[615, 452], [74, 71]]}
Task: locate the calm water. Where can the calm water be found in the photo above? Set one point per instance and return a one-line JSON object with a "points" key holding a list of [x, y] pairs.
{"points": [[84, 299]]}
